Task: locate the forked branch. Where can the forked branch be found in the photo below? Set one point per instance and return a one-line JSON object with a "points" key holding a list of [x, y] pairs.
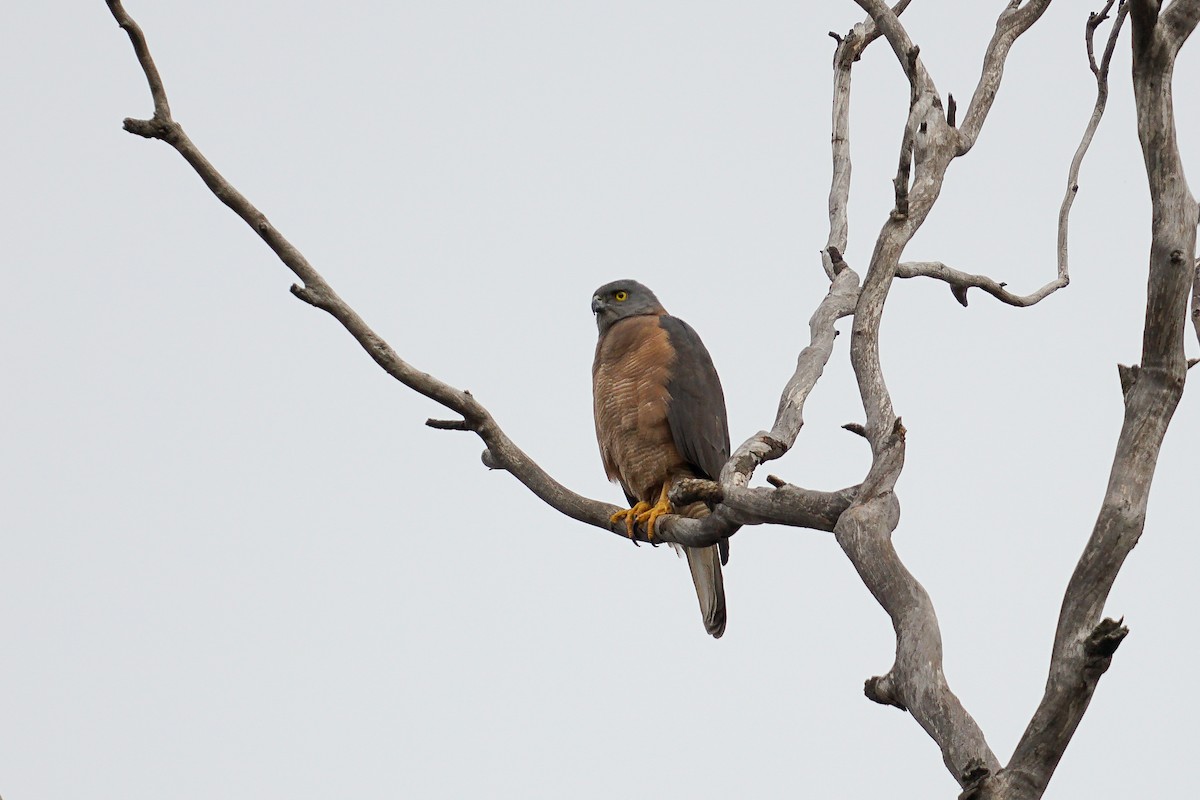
{"points": [[960, 281], [916, 682]]}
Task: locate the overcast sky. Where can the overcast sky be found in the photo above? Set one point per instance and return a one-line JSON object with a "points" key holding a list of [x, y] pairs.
{"points": [[235, 562]]}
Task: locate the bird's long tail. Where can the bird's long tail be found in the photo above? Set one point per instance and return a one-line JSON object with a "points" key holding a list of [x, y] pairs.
{"points": [[705, 565], [706, 572]]}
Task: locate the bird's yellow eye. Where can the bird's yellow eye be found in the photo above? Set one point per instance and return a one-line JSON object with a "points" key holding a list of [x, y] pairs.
{"points": [[621, 296]]}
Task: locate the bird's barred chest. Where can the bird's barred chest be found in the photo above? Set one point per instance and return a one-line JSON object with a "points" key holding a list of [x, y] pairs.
{"points": [[630, 376]]}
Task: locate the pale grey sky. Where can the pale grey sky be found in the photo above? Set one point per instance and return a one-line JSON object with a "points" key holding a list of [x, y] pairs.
{"points": [[237, 565]]}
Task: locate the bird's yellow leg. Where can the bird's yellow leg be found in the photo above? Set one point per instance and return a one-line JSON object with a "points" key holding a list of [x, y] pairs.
{"points": [[630, 516], [652, 513]]}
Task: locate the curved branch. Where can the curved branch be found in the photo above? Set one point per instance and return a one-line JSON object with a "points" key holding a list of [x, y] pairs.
{"points": [[1101, 72], [162, 109], [888, 22], [502, 453], [916, 681], [850, 48], [961, 281], [810, 364], [1179, 20], [1013, 22]]}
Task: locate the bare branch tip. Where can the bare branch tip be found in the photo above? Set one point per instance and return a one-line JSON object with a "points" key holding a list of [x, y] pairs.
{"points": [[1128, 377], [854, 427], [878, 690], [303, 293], [1106, 638], [836, 37], [141, 127], [776, 481], [972, 779], [448, 424]]}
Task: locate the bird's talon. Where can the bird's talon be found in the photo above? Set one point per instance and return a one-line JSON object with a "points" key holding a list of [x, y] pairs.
{"points": [[631, 516]]}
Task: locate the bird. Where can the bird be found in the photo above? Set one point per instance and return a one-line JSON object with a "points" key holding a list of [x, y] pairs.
{"points": [[660, 416]]}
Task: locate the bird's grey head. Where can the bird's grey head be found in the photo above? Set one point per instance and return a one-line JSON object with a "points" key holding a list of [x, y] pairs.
{"points": [[618, 300]]}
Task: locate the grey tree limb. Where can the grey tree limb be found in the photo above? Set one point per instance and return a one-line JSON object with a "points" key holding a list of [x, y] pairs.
{"points": [[961, 281], [1100, 71], [810, 364], [1196, 299], [1013, 21], [1178, 22], [1084, 642], [916, 681], [850, 48], [792, 507]]}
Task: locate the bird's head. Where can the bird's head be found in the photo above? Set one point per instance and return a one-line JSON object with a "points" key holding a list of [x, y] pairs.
{"points": [[615, 301]]}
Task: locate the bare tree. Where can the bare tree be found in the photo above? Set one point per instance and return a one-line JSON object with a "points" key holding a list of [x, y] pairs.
{"points": [[863, 517]]}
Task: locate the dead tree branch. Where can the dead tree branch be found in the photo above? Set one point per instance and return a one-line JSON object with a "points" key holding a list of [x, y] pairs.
{"points": [[810, 364], [1196, 300], [961, 281], [916, 681], [750, 507], [1101, 73], [1013, 21], [1084, 642], [850, 48]]}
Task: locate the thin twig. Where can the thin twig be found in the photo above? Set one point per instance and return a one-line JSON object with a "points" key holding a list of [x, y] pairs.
{"points": [[850, 49], [162, 109], [1101, 72]]}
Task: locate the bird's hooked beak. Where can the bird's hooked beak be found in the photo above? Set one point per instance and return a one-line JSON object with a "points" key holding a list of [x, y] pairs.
{"points": [[597, 304]]}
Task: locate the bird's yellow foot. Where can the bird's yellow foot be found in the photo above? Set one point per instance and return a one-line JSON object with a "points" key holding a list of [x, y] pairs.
{"points": [[630, 517], [652, 513]]}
